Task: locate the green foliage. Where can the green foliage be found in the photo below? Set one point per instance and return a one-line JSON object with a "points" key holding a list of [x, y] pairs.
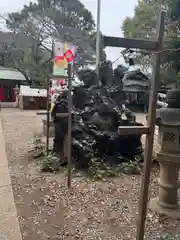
{"points": [[143, 25], [50, 163], [38, 149], [49, 20], [178, 76], [98, 169], [46, 163], [170, 236], [35, 65], [163, 236]]}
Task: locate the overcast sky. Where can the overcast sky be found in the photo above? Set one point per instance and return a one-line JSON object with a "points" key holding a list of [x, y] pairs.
{"points": [[112, 15]]}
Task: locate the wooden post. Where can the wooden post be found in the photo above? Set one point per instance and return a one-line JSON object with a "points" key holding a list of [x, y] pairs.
{"points": [[69, 123], [47, 103], [150, 136], [47, 118]]}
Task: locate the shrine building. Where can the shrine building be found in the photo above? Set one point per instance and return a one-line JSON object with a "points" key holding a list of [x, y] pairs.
{"points": [[9, 79]]}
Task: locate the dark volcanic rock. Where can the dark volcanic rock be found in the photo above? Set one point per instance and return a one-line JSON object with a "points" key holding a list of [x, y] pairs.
{"points": [[96, 115]]}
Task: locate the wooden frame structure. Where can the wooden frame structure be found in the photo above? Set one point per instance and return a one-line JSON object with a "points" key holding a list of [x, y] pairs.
{"points": [[155, 46], [62, 115], [69, 115]]}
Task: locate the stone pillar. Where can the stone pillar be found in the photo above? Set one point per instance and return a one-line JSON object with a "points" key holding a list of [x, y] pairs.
{"points": [[168, 120]]}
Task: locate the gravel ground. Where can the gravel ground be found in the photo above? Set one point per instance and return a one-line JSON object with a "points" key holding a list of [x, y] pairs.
{"points": [[47, 210]]}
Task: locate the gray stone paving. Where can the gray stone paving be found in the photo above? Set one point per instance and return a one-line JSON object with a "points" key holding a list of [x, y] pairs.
{"points": [[9, 225]]}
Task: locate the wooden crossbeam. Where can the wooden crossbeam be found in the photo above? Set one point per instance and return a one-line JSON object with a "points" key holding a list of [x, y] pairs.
{"points": [[150, 45], [62, 115], [58, 115], [41, 113], [133, 130]]}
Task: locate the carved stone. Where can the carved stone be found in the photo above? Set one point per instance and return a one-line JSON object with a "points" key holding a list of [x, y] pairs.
{"points": [[97, 111]]}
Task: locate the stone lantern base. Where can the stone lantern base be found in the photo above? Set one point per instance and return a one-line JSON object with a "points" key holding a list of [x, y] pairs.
{"points": [[155, 207], [167, 201]]}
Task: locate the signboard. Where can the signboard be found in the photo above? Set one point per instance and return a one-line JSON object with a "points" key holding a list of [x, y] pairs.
{"points": [[63, 54]]}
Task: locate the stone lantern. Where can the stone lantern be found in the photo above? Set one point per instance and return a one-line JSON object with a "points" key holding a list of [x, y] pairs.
{"points": [[168, 120]]}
